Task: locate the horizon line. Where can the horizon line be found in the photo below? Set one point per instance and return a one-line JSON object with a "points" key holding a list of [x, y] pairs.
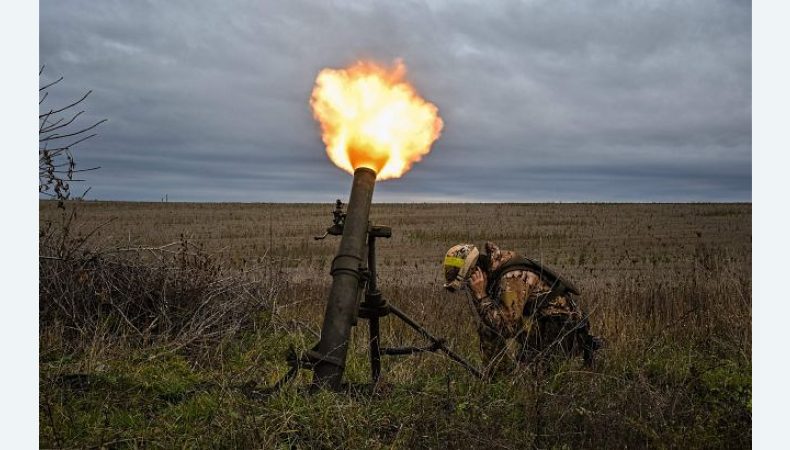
{"points": [[567, 202]]}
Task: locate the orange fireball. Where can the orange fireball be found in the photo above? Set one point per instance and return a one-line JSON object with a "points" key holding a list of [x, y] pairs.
{"points": [[372, 117]]}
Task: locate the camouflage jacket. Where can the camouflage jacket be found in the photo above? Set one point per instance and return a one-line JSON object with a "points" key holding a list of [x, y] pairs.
{"points": [[517, 289]]}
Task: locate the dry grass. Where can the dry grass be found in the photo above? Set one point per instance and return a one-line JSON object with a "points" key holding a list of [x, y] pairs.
{"points": [[669, 287]]}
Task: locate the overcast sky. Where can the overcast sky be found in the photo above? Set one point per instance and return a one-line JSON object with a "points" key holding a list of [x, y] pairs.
{"points": [[542, 101]]}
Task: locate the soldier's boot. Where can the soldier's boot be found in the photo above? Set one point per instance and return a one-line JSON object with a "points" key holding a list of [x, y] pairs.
{"points": [[590, 346], [493, 350]]}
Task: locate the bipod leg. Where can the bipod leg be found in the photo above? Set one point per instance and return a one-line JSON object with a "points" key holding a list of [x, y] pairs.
{"points": [[439, 343], [374, 307], [375, 349]]}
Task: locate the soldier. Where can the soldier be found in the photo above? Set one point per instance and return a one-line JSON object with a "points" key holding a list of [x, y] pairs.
{"points": [[517, 298]]}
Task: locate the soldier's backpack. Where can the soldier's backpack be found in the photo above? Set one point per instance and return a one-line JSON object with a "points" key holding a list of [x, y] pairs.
{"points": [[559, 285]]}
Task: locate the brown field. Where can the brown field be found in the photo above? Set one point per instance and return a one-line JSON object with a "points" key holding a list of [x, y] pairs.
{"points": [[667, 285]]}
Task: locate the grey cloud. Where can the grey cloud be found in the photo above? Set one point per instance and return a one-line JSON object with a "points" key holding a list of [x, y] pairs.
{"points": [[584, 101]]}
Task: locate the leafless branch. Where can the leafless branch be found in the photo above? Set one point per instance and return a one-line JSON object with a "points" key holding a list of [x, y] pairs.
{"points": [[61, 136], [45, 87], [52, 126], [57, 166], [55, 111]]}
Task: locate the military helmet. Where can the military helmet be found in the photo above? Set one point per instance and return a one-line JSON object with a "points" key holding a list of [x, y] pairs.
{"points": [[458, 264]]}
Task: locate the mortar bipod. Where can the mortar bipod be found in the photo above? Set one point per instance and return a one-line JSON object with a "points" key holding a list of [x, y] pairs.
{"points": [[375, 306]]}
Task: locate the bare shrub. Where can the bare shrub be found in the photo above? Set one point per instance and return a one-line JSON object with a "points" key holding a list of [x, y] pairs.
{"points": [[175, 295]]}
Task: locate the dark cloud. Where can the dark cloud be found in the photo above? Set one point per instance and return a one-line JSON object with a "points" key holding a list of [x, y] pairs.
{"points": [[542, 101]]}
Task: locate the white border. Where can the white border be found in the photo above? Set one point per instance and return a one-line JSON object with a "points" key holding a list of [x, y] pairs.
{"points": [[770, 223], [19, 260]]}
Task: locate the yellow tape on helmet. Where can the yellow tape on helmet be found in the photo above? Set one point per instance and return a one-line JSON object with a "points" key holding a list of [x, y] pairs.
{"points": [[453, 261]]}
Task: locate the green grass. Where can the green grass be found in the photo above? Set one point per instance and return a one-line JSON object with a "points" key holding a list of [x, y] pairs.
{"points": [[669, 397]]}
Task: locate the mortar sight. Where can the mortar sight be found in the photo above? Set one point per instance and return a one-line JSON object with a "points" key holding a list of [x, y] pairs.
{"points": [[338, 217]]}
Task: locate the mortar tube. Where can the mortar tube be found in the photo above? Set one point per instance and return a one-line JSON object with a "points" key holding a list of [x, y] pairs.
{"points": [[341, 308]]}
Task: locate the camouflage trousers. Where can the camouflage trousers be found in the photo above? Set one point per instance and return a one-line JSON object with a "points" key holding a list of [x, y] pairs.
{"points": [[543, 340]]}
